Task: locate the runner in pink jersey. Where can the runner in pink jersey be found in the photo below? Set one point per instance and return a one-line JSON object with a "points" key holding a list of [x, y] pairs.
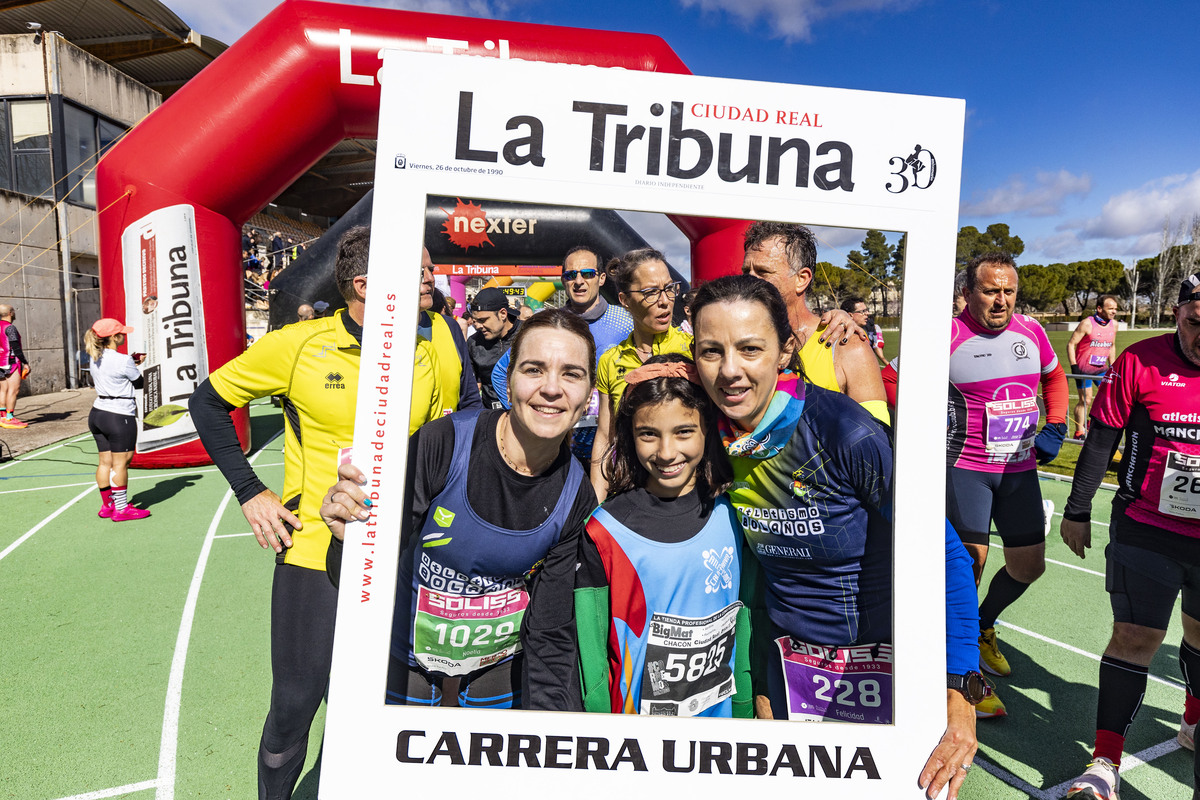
{"points": [[1089, 352], [994, 379], [1152, 396], [998, 361]]}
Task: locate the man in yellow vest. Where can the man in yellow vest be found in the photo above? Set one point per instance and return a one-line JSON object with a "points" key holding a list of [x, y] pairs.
{"points": [[456, 376]]}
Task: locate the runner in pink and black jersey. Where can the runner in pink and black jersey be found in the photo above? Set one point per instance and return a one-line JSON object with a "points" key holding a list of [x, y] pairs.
{"points": [[998, 361], [1089, 352], [1151, 394]]}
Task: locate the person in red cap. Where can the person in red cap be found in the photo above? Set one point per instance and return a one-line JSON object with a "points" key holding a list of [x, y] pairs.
{"points": [[113, 419]]}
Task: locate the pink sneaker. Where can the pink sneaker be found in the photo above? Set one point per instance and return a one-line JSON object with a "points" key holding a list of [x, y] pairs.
{"points": [[106, 511], [128, 513]]}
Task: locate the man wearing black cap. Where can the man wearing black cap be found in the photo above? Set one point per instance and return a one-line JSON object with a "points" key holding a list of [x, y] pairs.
{"points": [[495, 327], [1151, 394]]}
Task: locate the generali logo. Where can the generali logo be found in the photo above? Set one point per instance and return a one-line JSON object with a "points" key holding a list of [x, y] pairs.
{"points": [[468, 225]]}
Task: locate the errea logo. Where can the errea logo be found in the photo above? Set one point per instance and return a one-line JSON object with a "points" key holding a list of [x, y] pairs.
{"points": [[334, 380], [1173, 380]]}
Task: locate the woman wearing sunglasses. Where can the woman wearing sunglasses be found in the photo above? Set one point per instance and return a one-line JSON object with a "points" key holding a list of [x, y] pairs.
{"points": [[645, 287]]}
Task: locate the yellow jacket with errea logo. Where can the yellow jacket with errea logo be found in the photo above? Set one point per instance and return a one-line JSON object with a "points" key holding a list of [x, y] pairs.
{"points": [[314, 366]]}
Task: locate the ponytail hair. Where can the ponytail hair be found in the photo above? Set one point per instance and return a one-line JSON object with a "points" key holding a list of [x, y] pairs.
{"points": [[95, 345]]}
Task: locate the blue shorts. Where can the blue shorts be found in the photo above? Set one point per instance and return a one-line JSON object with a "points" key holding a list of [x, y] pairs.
{"points": [[1089, 383]]}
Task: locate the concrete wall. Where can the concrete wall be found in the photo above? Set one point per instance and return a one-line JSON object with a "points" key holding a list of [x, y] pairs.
{"points": [[30, 273], [30, 281], [76, 75]]}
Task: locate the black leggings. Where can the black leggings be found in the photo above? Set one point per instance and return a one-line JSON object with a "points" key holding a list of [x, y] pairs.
{"points": [[115, 433], [303, 608]]}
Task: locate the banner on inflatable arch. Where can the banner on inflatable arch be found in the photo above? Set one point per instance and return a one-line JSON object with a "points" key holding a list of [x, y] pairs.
{"points": [[530, 132], [162, 304]]}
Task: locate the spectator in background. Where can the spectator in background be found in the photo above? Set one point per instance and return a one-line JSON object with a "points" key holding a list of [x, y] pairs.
{"points": [[455, 378], [465, 322], [320, 308], [494, 331], [525, 311], [1089, 352], [686, 302], [276, 250], [291, 250], [14, 367], [113, 419], [305, 312], [856, 307]]}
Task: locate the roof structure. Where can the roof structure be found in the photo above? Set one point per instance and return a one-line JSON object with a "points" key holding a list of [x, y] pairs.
{"points": [[142, 38], [150, 43]]}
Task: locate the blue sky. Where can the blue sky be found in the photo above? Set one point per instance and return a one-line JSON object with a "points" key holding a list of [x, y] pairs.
{"points": [[1083, 118]]}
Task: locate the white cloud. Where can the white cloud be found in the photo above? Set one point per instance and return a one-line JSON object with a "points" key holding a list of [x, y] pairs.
{"points": [[1129, 225], [793, 20], [1042, 198], [1064, 246], [1142, 211], [227, 20]]}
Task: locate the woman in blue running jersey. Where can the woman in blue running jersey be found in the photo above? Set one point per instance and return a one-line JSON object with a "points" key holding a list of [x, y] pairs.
{"points": [[661, 628], [812, 487], [497, 507]]}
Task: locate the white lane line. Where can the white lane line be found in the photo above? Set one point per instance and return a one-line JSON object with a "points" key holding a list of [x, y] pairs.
{"points": [[151, 477], [46, 521], [1013, 781], [233, 535], [115, 791], [37, 453], [1127, 763], [1074, 566], [1164, 681], [169, 743]]}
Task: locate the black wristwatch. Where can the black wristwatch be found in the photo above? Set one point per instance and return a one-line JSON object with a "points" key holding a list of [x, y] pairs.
{"points": [[972, 686]]}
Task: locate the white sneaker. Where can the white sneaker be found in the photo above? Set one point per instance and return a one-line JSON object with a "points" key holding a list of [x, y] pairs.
{"points": [[1186, 736], [1099, 782], [1048, 514]]}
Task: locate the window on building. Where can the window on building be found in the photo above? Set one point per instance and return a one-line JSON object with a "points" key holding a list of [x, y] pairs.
{"points": [[25, 151], [30, 147], [5, 150], [79, 143]]}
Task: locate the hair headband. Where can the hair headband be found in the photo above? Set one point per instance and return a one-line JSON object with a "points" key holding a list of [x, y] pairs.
{"points": [[666, 369]]}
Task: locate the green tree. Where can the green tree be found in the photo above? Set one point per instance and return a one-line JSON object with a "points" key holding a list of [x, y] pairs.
{"points": [[826, 285], [1040, 288], [997, 238], [1096, 277], [898, 256], [878, 262]]}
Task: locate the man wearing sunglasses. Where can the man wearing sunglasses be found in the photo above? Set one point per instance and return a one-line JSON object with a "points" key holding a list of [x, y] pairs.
{"points": [[856, 307], [582, 277]]}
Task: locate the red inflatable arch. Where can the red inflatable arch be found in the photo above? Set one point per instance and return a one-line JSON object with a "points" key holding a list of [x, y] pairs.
{"points": [[217, 151]]}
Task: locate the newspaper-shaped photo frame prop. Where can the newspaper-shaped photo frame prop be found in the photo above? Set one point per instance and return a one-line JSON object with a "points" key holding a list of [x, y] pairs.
{"points": [[545, 133]]}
